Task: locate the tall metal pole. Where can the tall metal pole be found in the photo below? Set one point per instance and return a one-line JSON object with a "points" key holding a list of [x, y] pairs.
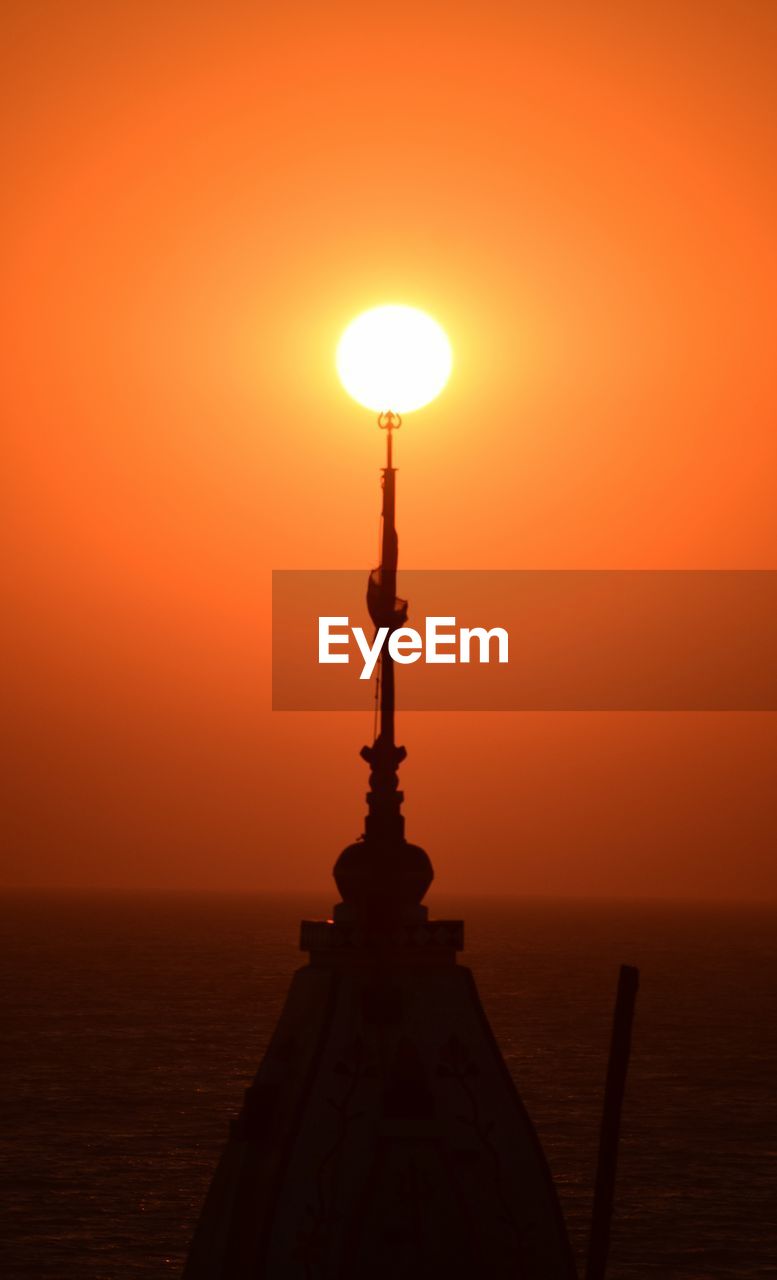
{"points": [[604, 1194]]}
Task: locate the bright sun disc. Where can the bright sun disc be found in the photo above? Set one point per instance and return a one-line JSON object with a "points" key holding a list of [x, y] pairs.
{"points": [[394, 358]]}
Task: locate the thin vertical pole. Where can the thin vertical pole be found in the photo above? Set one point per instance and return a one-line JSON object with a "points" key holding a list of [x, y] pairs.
{"points": [[604, 1194]]}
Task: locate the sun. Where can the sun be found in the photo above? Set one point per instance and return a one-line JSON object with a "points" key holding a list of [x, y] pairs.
{"points": [[394, 358]]}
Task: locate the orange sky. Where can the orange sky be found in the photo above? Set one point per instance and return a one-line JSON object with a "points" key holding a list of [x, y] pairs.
{"points": [[197, 199]]}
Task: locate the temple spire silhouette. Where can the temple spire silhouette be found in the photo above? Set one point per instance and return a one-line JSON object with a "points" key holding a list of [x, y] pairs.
{"points": [[381, 877], [383, 1137], [386, 610]]}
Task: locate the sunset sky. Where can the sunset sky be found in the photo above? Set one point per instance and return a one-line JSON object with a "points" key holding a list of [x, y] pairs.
{"points": [[197, 199]]}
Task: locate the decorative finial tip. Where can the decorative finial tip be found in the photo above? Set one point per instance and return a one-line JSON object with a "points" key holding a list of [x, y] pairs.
{"points": [[388, 421]]}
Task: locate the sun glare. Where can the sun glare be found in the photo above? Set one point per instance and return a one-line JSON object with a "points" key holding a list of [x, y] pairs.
{"points": [[394, 358]]}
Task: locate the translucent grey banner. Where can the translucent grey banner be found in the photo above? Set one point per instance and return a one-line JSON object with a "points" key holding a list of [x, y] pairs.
{"points": [[576, 640]]}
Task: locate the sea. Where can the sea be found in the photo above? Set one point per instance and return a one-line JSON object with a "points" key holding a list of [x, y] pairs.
{"points": [[133, 1023]]}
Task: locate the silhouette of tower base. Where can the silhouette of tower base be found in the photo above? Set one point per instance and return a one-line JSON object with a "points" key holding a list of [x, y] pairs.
{"points": [[383, 1137]]}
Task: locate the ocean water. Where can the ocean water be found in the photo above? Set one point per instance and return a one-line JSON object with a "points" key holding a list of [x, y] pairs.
{"points": [[132, 1024]]}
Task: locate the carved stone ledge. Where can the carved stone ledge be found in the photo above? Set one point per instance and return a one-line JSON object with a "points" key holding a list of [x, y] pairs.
{"points": [[332, 936]]}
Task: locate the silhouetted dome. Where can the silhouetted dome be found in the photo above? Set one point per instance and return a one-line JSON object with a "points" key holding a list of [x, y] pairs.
{"points": [[383, 878]]}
